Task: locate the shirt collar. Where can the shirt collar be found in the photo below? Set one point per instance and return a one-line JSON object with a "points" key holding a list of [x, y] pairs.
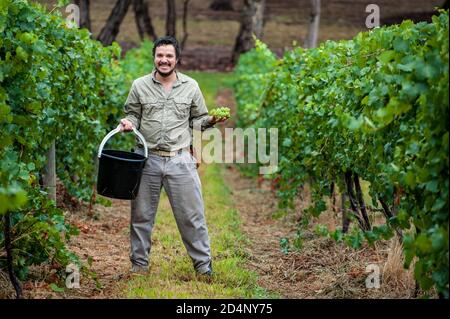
{"points": [[181, 78]]}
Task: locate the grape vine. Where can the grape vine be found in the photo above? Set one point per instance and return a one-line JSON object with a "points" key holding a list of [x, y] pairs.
{"points": [[374, 108]]}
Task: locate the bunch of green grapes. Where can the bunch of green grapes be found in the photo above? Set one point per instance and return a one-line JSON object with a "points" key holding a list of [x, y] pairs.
{"points": [[220, 112]]}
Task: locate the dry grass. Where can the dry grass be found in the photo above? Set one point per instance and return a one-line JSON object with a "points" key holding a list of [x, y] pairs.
{"points": [[394, 275], [6, 288]]}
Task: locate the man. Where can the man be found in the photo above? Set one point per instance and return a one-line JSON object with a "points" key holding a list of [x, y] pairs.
{"points": [[165, 106]]}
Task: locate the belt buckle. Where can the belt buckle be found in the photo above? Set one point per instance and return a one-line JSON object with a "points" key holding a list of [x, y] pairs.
{"points": [[167, 153]]}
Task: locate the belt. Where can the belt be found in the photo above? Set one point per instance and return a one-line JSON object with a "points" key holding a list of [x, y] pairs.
{"points": [[167, 153]]}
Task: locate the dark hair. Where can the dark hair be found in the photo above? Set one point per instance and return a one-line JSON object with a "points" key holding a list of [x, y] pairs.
{"points": [[167, 40]]}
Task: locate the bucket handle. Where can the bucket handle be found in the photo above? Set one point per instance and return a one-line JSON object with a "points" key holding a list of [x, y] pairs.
{"points": [[117, 130]]}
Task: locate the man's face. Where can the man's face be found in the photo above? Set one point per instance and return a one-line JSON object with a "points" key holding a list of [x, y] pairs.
{"points": [[165, 59]]}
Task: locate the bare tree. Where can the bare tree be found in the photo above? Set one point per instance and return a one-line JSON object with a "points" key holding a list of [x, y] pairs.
{"points": [[313, 31], [85, 20], [171, 18], [221, 5], [109, 32], [252, 23], [143, 20], [185, 34]]}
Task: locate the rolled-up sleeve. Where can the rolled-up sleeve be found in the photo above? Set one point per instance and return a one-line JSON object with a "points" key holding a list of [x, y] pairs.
{"points": [[133, 107], [199, 112]]}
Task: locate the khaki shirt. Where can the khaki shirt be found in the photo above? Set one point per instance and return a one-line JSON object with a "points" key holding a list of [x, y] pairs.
{"points": [[166, 119]]}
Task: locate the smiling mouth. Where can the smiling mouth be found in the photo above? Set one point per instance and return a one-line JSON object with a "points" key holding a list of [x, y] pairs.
{"points": [[164, 70]]}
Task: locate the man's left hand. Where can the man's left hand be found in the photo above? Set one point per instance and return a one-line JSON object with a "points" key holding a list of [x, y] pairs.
{"points": [[215, 120]]}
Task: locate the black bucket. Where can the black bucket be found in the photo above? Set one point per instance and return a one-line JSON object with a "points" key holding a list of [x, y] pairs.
{"points": [[119, 172]]}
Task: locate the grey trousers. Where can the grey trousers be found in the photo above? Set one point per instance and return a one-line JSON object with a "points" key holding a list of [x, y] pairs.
{"points": [[178, 175]]}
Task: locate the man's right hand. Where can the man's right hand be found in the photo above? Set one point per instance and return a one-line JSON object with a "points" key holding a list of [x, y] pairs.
{"points": [[126, 125]]}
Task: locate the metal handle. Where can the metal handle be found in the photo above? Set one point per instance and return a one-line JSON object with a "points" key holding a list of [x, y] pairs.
{"points": [[117, 130]]}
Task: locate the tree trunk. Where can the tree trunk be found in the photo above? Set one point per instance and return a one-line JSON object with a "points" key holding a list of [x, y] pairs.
{"points": [[345, 219], [171, 18], [388, 214], [252, 23], [221, 5], [333, 196], [9, 258], [313, 31], [185, 34], [112, 26], [85, 20], [143, 20], [352, 200], [362, 204]]}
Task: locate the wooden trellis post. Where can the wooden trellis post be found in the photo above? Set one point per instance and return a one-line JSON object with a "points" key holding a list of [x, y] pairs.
{"points": [[49, 174]]}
